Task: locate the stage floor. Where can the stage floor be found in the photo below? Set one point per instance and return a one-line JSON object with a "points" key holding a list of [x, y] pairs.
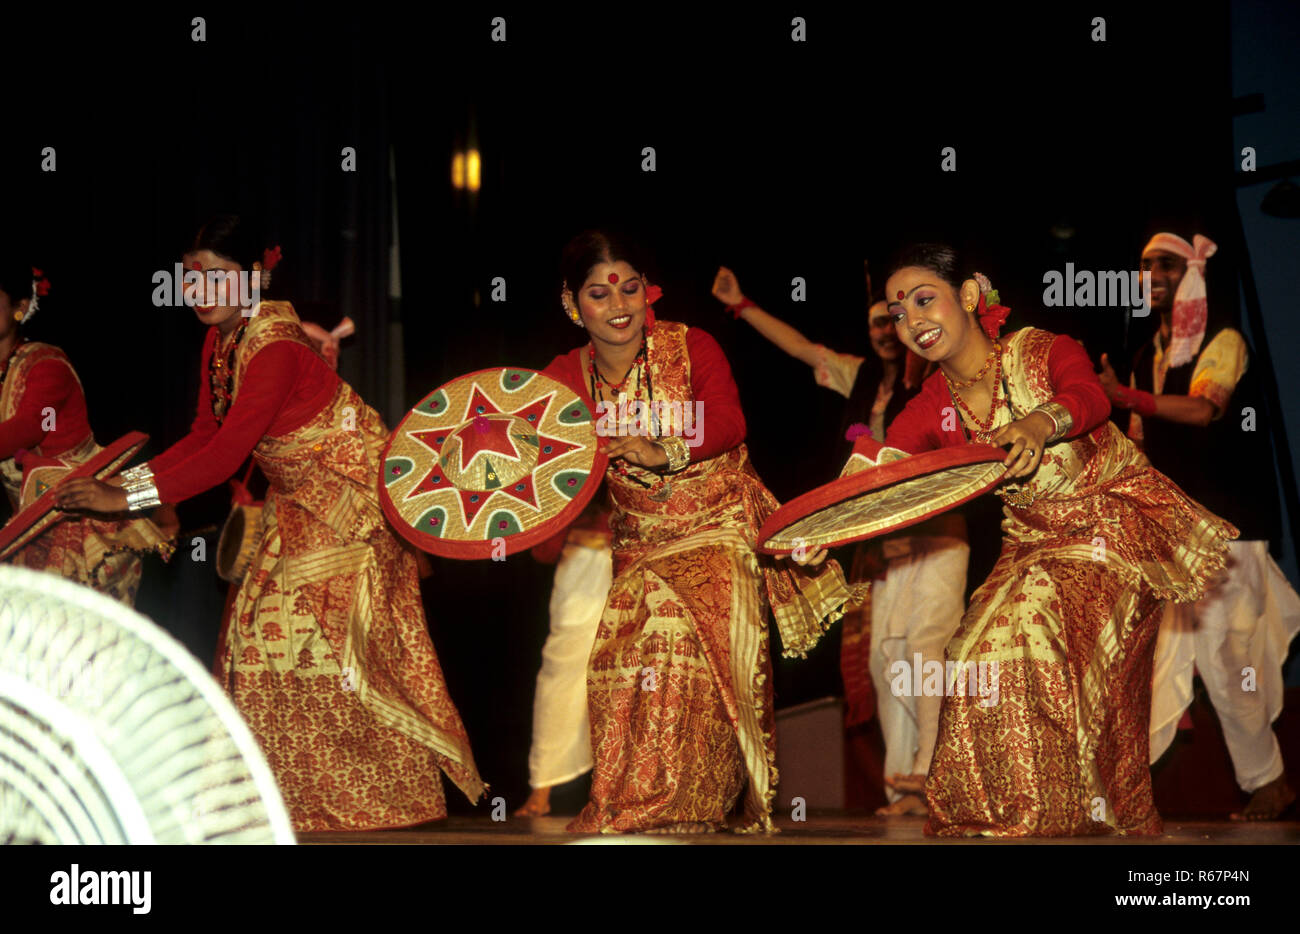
{"points": [[821, 828]]}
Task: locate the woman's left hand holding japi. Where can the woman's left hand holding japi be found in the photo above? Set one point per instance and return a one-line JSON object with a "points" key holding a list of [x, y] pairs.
{"points": [[90, 495], [1027, 438]]}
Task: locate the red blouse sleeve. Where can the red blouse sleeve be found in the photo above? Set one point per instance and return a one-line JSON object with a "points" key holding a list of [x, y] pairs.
{"points": [[1077, 385], [204, 425], [721, 425], [926, 424], [268, 383], [49, 383]]}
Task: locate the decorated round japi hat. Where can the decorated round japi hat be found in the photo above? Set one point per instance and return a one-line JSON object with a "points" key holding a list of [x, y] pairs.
{"points": [[503, 457], [41, 477], [882, 490]]}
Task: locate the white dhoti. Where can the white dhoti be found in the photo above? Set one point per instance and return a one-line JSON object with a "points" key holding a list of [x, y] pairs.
{"points": [[915, 610], [1237, 636], [561, 749]]}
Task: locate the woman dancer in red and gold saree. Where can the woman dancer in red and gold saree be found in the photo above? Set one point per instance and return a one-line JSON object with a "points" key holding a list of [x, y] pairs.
{"points": [[1095, 541], [679, 685], [325, 651], [43, 414]]}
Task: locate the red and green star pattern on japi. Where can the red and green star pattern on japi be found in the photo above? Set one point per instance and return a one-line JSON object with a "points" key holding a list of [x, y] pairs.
{"points": [[498, 455]]}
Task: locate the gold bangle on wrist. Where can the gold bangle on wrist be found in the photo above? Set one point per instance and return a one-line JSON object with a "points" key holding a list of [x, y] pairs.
{"points": [[679, 453]]}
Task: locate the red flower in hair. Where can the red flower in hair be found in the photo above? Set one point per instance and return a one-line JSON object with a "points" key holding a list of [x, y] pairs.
{"points": [[992, 317], [36, 272], [43, 288], [271, 258]]}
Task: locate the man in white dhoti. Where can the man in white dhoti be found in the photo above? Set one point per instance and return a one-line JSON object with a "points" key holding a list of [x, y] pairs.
{"points": [[914, 603], [919, 575], [1195, 412], [561, 748]]}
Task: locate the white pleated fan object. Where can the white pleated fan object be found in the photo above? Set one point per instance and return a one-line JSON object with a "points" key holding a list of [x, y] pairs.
{"points": [[112, 732]]}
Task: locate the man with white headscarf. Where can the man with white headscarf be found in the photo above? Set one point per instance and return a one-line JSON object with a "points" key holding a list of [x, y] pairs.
{"points": [[1237, 635]]}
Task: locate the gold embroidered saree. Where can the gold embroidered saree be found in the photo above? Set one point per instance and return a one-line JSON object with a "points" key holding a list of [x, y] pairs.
{"points": [[679, 685], [1044, 727], [325, 650], [103, 554]]}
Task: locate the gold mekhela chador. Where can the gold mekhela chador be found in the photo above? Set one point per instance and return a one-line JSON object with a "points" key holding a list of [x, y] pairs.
{"points": [[100, 553], [1044, 729], [325, 650], [679, 681]]}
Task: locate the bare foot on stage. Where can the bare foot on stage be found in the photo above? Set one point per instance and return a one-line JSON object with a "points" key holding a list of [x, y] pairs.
{"points": [[909, 805], [537, 805], [911, 784], [1268, 802]]}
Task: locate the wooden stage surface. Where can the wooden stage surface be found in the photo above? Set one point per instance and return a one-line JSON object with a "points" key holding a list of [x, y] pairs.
{"points": [[834, 828]]}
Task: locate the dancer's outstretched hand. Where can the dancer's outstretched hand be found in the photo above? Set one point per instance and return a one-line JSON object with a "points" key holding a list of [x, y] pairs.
{"points": [[1027, 438], [1109, 381], [725, 287]]}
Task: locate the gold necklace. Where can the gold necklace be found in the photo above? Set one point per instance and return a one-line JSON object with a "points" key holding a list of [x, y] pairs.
{"points": [[988, 362], [221, 372], [984, 426]]}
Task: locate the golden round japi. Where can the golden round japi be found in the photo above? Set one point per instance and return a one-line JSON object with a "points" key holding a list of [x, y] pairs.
{"points": [[490, 464]]}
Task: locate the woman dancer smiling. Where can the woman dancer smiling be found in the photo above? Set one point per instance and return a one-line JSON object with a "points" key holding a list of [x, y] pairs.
{"points": [[1095, 541], [326, 652], [679, 686]]}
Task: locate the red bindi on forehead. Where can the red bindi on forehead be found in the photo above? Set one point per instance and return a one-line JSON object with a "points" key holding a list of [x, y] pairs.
{"points": [[196, 266], [613, 278], [900, 295]]}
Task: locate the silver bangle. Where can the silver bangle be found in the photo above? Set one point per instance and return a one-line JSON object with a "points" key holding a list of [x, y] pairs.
{"points": [[1061, 420], [137, 473], [144, 498]]}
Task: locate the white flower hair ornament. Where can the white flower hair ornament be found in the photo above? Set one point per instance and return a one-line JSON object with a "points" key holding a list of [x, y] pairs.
{"points": [[40, 288]]}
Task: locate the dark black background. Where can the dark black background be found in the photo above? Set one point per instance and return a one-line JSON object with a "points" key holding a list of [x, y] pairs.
{"points": [[778, 159]]}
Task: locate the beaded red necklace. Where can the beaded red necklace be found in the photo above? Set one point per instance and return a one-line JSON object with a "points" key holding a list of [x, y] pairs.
{"points": [[596, 378], [660, 489], [985, 426], [223, 385]]}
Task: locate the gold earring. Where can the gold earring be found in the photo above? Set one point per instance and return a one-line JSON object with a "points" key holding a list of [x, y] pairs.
{"points": [[18, 316], [566, 299], [970, 307]]}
